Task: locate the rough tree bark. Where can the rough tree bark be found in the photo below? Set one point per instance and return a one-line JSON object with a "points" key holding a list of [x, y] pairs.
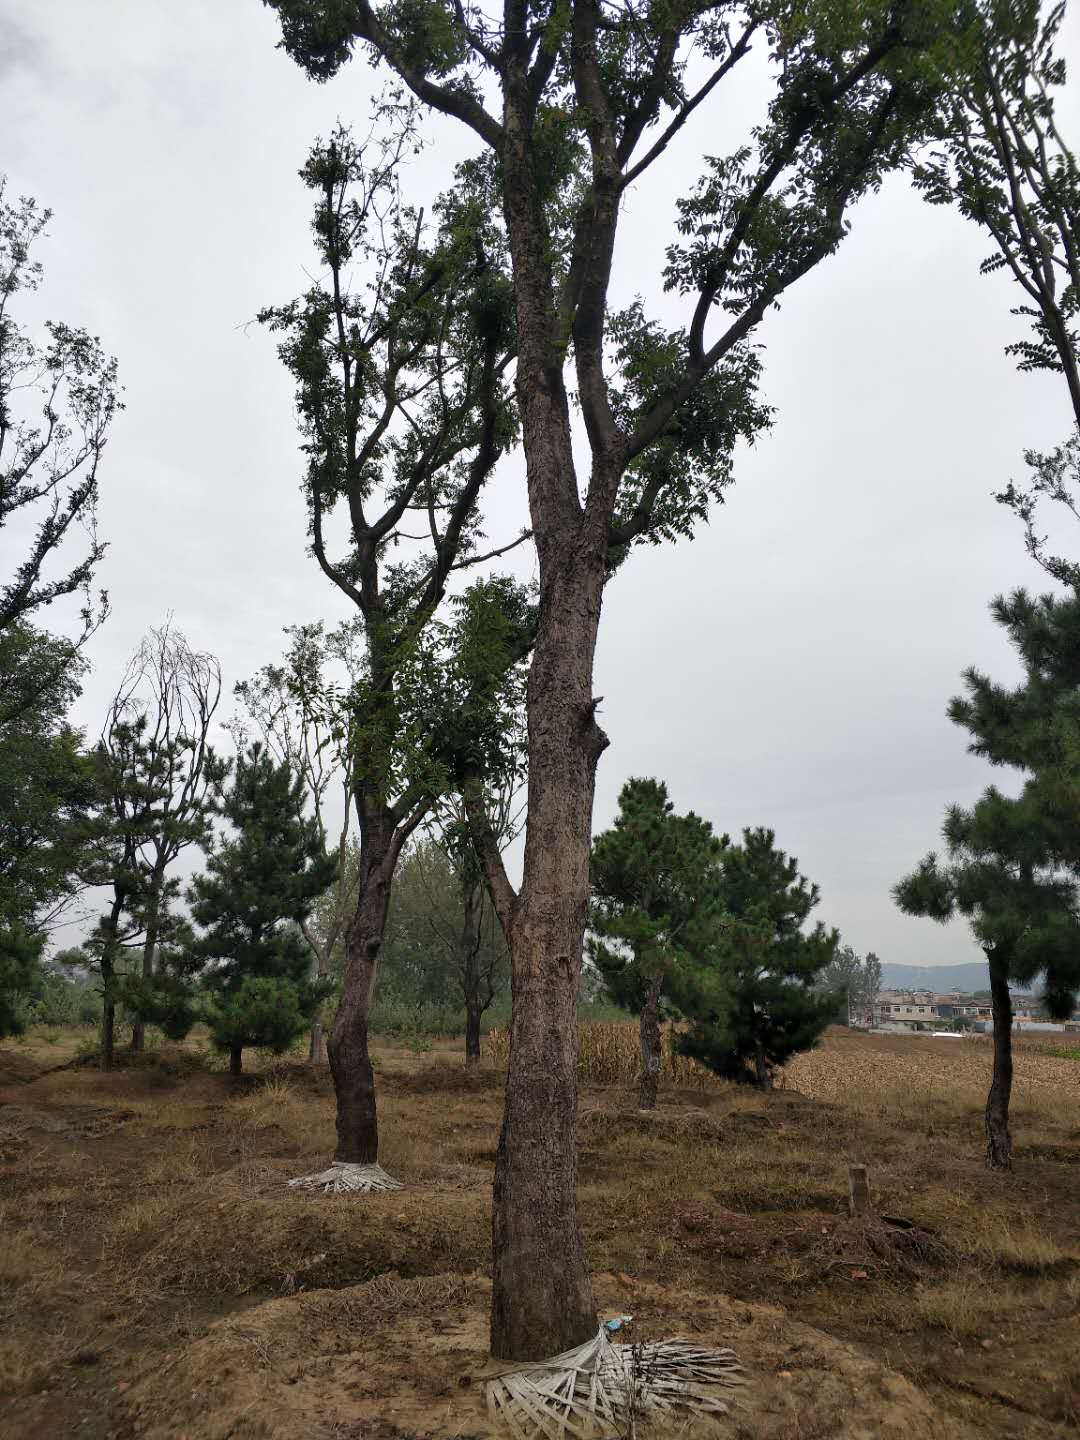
{"points": [[649, 1036], [542, 1301], [138, 1029], [998, 1139], [317, 1045], [761, 1069], [108, 1022], [347, 1047], [109, 948], [472, 901]]}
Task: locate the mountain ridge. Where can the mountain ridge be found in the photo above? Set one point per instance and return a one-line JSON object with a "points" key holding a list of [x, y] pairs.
{"points": [[974, 975]]}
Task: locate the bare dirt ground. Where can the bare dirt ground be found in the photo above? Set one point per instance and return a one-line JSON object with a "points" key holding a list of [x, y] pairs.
{"points": [[159, 1280]]}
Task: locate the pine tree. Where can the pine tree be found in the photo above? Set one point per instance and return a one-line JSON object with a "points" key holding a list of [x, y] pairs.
{"points": [[260, 885], [48, 791], [655, 893], [1011, 863], [770, 965]]}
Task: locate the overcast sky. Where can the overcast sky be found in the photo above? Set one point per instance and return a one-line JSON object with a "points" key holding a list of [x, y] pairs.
{"points": [[790, 667]]}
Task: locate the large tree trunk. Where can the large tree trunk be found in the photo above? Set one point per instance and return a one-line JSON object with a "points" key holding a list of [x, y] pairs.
{"points": [[542, 1301], [541, 1298], [236, 1061], [471, 902], [998, 1139], [350, 1063], [649, 1036]]}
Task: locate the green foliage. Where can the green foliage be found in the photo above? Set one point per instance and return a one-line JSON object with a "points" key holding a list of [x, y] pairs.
{"points": [[1002, 161], [770, 966], [655, 898], [420, 964], [854, 981], [261, 882], [60, 999], [589, 105], [20, 954], [267, 1010], [48, 791], [719, 926], [472, 682], [1011, 862], [58, 397]]}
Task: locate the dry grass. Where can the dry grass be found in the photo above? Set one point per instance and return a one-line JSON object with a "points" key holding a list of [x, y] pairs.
{"points": [[608, 1054], [136, 1208]]}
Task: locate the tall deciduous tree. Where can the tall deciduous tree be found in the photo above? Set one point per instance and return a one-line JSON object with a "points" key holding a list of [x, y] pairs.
{"points": [[58, 398], [575, 104], [856, 981], [260, 885], [656, 901], [443, 943], [1007, 166], [770, 964], [398, 353]]}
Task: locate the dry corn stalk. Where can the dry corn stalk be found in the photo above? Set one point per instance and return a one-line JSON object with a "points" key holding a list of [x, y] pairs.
{"points": [[609, 1053]]}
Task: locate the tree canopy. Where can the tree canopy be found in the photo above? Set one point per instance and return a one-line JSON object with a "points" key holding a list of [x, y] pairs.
{"points": [[261, 882]]}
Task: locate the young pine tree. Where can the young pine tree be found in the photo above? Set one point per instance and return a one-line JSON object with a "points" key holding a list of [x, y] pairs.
{"points": [[260, 885], [770, 965], [655, 895], [1011, 862]]}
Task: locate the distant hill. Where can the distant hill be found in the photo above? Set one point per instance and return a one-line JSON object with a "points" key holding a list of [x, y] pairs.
{"points": [[943, 978]]}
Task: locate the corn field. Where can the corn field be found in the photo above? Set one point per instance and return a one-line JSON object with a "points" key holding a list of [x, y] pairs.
{"points": [[839, 1068], [608, 1054]]}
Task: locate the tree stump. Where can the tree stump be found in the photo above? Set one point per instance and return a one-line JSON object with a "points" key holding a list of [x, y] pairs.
{"points": [[858, 1191]]}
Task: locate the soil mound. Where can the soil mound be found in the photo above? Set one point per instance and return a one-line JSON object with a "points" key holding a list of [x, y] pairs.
{"points": [[407, 1358]]}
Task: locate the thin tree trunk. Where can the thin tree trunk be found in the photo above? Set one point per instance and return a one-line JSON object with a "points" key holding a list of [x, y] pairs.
{"points": [[108, 1023], [542, 1300], [347, 1047], [138, 1029], [109, 950], [998, 1139], [317, 1047], [761, 1069], [317, 1043], [649, 1036], [472, 1035], [236, 1061], [472, 902]]}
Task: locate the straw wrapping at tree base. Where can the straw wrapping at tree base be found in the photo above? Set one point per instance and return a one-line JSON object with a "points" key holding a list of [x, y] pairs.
{"points": [[597, 1389], [344, 1179]]}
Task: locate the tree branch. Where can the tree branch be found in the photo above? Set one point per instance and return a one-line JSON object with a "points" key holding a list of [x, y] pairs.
{"points": [[503, 895]]}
